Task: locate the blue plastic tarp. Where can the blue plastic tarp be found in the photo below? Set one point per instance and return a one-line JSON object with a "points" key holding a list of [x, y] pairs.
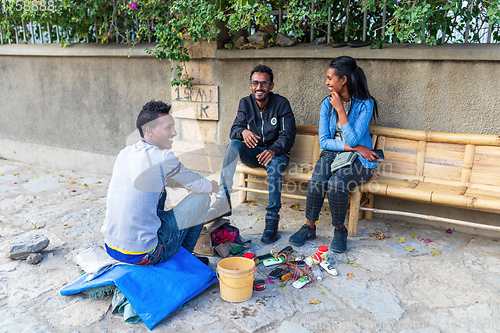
{"points": [[154, 291]]}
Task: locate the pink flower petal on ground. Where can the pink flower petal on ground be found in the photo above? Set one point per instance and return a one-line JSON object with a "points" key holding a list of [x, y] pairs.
{"points": [[449, 231], [427, 240], [269, 280], [73, 190], [14, 183]]}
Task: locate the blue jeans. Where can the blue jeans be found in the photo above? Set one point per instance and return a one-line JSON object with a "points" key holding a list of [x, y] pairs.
{"points": [[336, 186], [180, 226], [248, 156]]}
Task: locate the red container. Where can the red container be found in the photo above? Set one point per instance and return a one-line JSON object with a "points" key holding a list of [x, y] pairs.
{"points": [[250, 255], [259, 285]]}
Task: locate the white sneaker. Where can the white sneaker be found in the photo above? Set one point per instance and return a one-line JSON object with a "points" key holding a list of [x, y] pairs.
{"points": [[220, 208]]}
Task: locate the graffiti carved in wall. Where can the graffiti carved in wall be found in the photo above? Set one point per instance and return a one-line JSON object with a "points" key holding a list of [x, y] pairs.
{"points": [[197, 102]]}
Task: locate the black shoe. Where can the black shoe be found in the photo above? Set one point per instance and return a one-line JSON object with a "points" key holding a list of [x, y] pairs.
{"points": [[339, 242], [220, 208], [300, 237], [270, 234]]}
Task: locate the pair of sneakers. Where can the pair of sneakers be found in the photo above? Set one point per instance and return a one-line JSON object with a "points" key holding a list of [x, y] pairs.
{"points": [[339, 242]]}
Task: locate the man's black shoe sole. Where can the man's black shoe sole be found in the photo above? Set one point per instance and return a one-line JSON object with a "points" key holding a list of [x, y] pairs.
{"points": [[266, 242], [218, 218]]}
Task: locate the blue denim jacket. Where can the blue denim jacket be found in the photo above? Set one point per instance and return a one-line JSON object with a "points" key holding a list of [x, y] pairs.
{"points": [[355, 132]]}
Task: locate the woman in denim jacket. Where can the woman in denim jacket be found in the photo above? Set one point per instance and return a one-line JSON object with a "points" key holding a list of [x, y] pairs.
{"points": [[343, 128]]}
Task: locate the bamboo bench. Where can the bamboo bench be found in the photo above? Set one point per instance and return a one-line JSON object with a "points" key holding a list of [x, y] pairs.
{"points": [[459, 170]]}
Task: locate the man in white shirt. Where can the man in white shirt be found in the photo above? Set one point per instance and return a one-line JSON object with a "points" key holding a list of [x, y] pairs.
{"points": [[137, 228]]}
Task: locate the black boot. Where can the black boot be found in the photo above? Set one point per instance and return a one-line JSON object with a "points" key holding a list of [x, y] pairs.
{"points": [[339, 242], [270, 234]]}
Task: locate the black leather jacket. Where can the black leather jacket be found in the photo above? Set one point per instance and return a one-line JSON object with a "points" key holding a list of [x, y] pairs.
{"points": [[275, 125]]}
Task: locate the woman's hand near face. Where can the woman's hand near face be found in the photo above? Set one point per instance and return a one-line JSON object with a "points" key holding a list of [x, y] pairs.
{"points": [[366, 152], [336, 102]]}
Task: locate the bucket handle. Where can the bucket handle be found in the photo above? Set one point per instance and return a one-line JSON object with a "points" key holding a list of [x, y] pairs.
{"points": [[232, 287], [250, 272]]}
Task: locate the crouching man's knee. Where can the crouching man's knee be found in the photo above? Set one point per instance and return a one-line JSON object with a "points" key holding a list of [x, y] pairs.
{"points": [[200, 201]]}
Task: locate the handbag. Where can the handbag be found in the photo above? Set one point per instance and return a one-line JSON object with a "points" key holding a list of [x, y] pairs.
{"points": [[342, 159]]}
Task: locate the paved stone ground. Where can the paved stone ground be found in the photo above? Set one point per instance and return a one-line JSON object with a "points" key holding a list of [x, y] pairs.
{"points": [[392, 289]]}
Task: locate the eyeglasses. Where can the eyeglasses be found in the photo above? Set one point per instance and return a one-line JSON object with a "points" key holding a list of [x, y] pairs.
{"points": [[263, 84]]}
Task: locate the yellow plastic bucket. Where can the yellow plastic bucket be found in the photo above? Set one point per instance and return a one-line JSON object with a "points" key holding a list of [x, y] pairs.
{"points": [[236, 278]]}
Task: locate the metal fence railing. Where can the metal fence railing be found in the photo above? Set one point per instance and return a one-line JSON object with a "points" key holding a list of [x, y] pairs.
{"points": [[343, 23], [377, 22]]}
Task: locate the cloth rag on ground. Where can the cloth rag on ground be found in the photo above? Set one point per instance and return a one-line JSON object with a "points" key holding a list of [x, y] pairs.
{"points": [[226, 233], [153, 291], [122, 306], [95, 261]]}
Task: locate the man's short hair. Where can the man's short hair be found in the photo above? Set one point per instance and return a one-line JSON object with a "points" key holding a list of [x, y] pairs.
{"points": [[263, 69], [151, 111]]}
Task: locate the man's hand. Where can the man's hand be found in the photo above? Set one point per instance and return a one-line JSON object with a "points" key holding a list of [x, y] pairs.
{"points": [[215, 187], [266, 157], [250, 138]]}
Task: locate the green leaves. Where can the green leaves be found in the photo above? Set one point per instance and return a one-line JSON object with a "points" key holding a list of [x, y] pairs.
{"points": [[300, 14], [425, 21], [171, 23], [239, 14]]}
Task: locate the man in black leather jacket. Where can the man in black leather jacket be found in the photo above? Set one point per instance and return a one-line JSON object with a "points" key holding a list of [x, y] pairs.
{"points": [[262, 135]]}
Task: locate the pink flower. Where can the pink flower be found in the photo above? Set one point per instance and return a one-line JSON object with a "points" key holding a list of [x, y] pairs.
{"points": [[269, 280], [399, 2], [449, 231], [73, 190], [133, 5], [427, 240]]}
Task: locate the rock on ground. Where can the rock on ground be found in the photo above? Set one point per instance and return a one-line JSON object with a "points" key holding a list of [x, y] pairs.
{"points": [[242, 40], [283, 40], [34, 258], [319, 41], [259, 38], [22, 248], [270, 28]]}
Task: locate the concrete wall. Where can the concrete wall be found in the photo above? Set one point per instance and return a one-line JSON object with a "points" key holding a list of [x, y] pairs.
{"points": [[85, 98], [55, 102], [87, 103]]}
